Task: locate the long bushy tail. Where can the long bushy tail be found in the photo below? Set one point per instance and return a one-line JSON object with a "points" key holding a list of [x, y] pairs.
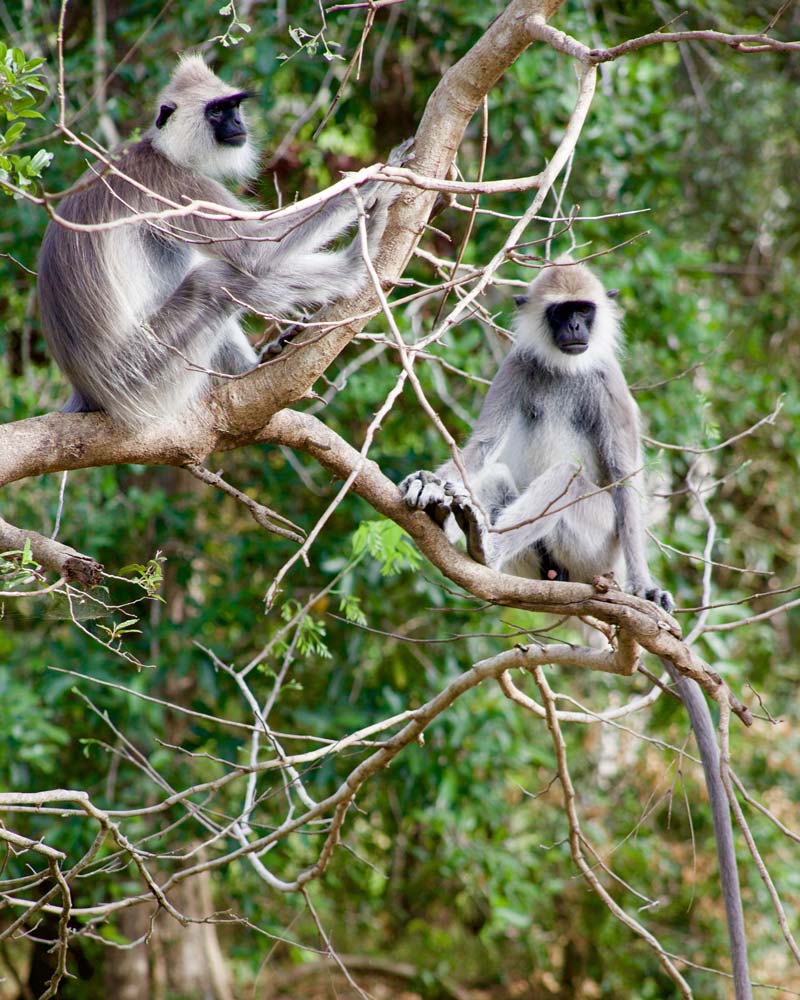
{"points": [[703, 727]]}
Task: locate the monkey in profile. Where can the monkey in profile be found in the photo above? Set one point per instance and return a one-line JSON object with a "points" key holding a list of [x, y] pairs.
{"points": [[137, 313], [554, 488]]}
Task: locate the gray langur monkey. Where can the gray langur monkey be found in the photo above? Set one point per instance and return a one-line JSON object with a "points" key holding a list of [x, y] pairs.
{"points": [[553, 489], [135, 312]]}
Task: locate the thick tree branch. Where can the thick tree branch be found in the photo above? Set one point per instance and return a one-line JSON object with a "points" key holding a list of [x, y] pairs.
{"points": [[652, 628], [73, 566]]}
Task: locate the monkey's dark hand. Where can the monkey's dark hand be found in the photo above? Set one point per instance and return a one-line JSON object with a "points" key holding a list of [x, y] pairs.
{"points": [[379, 196], [426, 491], [471, 521], [402, 154]]}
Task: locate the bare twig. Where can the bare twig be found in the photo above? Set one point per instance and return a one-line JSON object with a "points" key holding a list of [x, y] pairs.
{"points": [[264, 516]]}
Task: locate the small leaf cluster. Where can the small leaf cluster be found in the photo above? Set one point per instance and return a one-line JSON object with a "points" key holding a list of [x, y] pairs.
{"points": [[21, 89], [230, 38], [149, 576], [17, 567], [311, 631], [311, 43], [389, 544]]}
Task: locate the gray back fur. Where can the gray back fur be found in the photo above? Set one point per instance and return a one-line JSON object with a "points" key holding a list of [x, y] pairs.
{"points": [[128, 311]]}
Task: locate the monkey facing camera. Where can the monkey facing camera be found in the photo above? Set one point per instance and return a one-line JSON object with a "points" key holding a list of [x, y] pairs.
{"points": [[554, 461], [137, 312]]}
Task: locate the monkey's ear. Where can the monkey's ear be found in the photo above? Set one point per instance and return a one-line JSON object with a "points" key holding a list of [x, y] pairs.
{"points": [[164, 114], [613, 293], [520, 300]]}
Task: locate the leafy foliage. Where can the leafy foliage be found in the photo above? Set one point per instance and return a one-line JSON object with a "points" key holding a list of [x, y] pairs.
{"points": [[21, 89], [388, 543]]}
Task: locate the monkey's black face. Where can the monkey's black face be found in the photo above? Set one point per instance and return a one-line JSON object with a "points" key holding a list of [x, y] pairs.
{"points": [[225, 119], [571, 325]]}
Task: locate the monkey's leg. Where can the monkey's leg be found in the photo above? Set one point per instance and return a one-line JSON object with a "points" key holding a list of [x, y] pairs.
{"points": [[234, 354], [562, 509]]}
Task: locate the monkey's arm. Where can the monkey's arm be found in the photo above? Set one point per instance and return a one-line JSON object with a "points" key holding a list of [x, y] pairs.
{"points": [[317, 225], [618, 441], [490, 486], [287, 253]]}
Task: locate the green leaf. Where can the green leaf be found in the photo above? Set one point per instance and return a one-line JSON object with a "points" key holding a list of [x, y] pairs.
{"points": [[388, 543], [13, 133]]}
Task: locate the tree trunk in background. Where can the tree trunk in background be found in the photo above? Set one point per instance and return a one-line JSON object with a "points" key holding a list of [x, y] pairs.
{"points": [[177, 961], [127, 973], [193, 963]]}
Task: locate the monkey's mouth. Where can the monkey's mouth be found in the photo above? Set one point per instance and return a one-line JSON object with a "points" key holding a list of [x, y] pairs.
{"points": [[236, 139], [576, 347]]}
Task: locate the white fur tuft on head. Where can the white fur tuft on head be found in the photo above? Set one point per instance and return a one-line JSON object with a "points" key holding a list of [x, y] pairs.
{"points": [[185, 136], [567, 280]]}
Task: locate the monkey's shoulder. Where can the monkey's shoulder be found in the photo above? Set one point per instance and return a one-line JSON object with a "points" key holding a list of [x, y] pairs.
{"points": [[122, 186]]}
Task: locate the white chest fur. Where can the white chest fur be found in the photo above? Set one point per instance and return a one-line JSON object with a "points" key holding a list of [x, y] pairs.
{"points": [[529, 450]]}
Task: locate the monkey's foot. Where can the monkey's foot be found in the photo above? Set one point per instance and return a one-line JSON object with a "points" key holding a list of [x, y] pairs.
{"points": [[276, 346], [471, 521], [662, 598], [652, 592]]}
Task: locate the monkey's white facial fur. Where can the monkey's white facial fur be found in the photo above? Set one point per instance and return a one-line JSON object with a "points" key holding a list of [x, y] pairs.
{"points": [[182, 131], [595, 318]]}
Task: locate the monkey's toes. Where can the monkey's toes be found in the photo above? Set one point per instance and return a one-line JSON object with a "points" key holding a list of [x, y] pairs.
{"points": [[662, 598], [402, 154]]}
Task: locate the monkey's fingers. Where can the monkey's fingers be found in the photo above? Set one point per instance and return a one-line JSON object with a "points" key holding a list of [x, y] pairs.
{"points": [[432, 495], [413, 486], [425, 491]]}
